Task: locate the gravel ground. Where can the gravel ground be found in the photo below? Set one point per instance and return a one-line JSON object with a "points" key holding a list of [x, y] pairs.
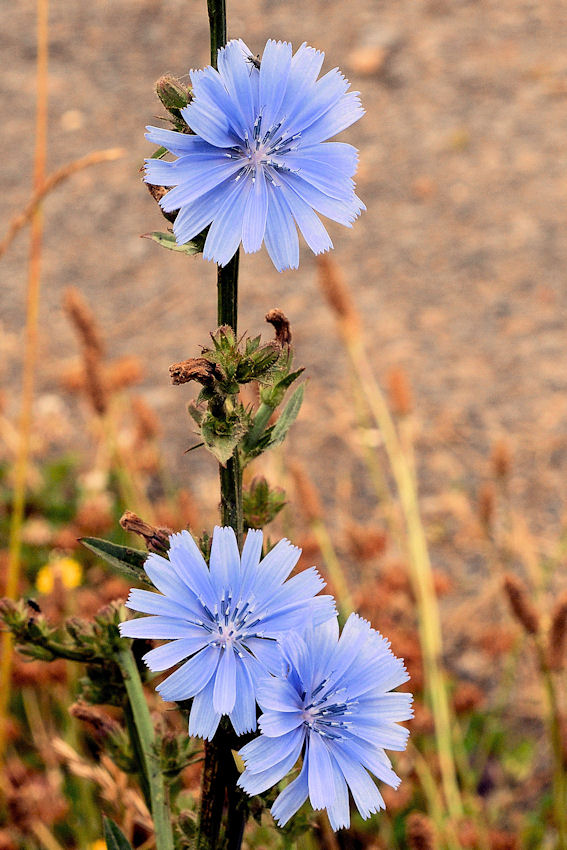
{"points": [[457, 266]]}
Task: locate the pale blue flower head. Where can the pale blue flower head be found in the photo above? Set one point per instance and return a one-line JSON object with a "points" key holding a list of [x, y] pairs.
{"points": [[333, 704], [258, 163], [225, 619]]}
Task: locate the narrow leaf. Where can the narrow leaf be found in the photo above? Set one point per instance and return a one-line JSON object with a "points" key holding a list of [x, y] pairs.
{"points": [[114, 837], [128, 561], [287, 417], [167, 240], [157, 154]]}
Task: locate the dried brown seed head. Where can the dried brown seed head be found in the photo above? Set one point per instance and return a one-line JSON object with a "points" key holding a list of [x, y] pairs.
{"points": [[194, 369], [520, 603], [557, 635]]}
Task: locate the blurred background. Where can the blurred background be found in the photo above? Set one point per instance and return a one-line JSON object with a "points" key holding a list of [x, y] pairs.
{"points": [[456, 270]]}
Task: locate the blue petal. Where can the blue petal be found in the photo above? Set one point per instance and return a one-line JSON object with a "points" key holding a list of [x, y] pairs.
{"points": [[344, 212], [276, 723], [147, 602], [322, 608], [224, 236], [193, 218], [255, 783], [326, 92], [371, 757], [262, 752], [255, 213], [323, 644], [164, 657], [191, 567], [157, 627], [323, 175], [365, 793], [305, 67], [203, 720], [267, 652], [338, 155], [210, 93], [321, 792], [178, 143], [243, 715], [164, 577], [224, 562], [224, 694], [276, 566], [205, 175], [235, 73], [280, 237], [340, 116], [339, 811], [191, 676], [293, 797], [252, 549], [310, 225], [298, 589], [277, 695], [274, 73]]}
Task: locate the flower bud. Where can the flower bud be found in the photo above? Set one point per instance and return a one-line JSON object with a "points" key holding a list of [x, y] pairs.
{"points": [[172, 94]]}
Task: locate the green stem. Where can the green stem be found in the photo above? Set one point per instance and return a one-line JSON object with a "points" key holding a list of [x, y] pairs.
{"points": [[151, 761], [555, 735]]}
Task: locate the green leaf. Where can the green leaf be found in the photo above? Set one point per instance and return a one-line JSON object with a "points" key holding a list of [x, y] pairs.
{"points": [[128, 561], [114, 837], [287, 418], [221, 443], [157, 154], [167, 240], [273, 395]]}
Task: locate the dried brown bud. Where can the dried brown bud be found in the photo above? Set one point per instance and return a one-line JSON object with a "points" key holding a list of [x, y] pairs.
{"points": [[557, 634], [520, 604], [280, 322], [156, 539], [83, 320], [399, 392], [420, 832], [101, 723], [157, 193], [194, 369], [335, 290]]}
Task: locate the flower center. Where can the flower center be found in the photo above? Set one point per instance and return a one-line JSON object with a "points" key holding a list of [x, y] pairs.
{"points": [[264, 148], [326, 714]]}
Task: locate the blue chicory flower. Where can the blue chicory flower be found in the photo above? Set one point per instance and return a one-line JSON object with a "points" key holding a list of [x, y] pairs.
{"points": [[225, 619], [334, 704], [257, 163]]}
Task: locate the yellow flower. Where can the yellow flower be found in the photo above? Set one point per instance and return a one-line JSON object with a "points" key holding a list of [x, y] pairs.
{"points": [[98, 845], [67, 570]]}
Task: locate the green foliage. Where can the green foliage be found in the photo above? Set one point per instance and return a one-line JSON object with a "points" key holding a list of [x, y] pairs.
{"points": [[114, 837], [261, 504], [167, 240], [129, 562], [287, 418]]}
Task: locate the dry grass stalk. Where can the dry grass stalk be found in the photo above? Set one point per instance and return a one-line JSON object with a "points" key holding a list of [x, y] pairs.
{"points": [[399, 392], [111, 782], [30, 354], [520, 604], [337, 293], [557, 635], [84, 322], [46, 186]]}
